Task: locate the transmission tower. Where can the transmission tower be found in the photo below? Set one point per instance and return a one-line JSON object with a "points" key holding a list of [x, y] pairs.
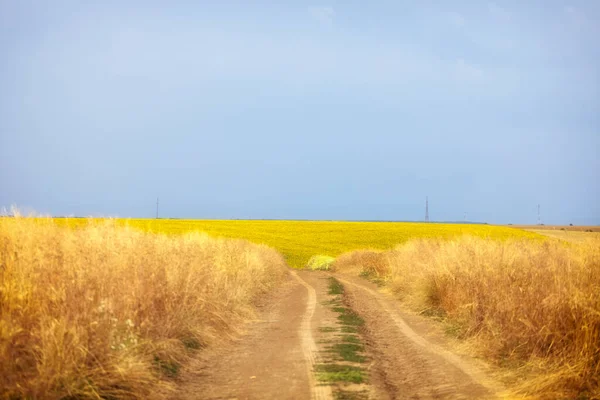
{"points": [[539, 216], [426, 209], [157, 208]]}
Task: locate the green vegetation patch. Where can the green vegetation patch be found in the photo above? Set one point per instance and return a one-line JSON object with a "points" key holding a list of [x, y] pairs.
{"points": [[339, 373], [351, 339], [326, 329], [349, 351], [191, 343], [350, 395], [335, 287], [350, 318], [373, 277], [346, 347], [167, 367], [333, 302]]}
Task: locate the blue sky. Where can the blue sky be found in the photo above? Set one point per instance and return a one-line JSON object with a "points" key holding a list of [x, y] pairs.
{"points": [[336, 110]]}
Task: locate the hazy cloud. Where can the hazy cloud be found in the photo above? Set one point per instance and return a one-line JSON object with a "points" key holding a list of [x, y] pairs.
{"points": [[323, 14]]}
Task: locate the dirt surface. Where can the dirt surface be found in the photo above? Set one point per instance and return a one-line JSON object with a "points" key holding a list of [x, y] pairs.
{"points": [[326, 330], [412, 358], [399, 356], [267, 362]]}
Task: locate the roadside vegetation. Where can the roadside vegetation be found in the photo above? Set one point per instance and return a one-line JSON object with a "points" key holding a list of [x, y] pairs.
{"points": [[344, 353], [532, 307], [106, 311]]}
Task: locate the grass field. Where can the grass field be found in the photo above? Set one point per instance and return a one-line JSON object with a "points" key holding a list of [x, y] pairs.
{"points": [[298, 241], [532, 307], [107, 312], [528, 301]]}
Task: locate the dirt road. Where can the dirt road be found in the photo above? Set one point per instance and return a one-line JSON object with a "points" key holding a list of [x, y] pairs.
{"points": [[325, 336]]}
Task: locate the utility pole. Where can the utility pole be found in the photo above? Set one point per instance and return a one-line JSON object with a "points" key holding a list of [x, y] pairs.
{"points": [[539, 216], [426, 209], [157, 208]]}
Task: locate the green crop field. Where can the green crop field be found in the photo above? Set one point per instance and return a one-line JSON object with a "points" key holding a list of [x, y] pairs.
{"points": [[299, 240]]}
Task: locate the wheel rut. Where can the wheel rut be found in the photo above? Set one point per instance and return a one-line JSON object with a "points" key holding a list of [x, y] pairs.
{"points": [[342, 361], [309, 347], [323, 336], [266, 362], [409, 364]]}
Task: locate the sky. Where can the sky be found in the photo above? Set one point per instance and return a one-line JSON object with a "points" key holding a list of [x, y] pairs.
{"points": [[347, 110]]}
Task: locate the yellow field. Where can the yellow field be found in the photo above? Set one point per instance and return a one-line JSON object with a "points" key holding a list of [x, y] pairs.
{"points": [[299, 240]]}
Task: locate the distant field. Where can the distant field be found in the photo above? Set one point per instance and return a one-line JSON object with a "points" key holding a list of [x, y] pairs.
{"points": [[568, 235], [580, 228], [564, 232], [299, 240]]}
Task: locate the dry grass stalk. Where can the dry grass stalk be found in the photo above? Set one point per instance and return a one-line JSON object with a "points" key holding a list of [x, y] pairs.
{"points": [[531, 306], [110, 312]]}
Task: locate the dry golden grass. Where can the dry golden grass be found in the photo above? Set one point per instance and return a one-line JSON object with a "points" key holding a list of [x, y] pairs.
{"points": [[533, 307], [110, 312]]}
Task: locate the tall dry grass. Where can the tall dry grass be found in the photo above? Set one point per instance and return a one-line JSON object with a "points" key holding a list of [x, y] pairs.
{"points": [[110, 312], [531, 306]]}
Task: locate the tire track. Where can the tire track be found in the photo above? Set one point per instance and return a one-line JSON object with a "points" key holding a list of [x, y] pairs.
{"points": [[266, 361], [474, 373], [309, 347]]}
